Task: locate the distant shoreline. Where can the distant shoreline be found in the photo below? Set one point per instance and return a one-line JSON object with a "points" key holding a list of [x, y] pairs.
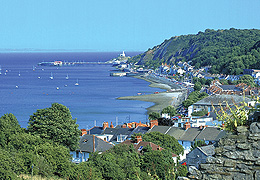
{"points": [[160, 100]]}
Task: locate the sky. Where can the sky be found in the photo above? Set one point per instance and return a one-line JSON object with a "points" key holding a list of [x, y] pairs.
{"points": [[115, 25]]}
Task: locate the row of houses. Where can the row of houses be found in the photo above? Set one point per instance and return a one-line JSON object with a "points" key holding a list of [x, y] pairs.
{"points": [[100, 139]]}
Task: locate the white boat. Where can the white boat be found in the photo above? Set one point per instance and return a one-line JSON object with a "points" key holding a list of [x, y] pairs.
{"points": [[67, 77], [19, 74], [51, 77], [57, 88], [0, 70], [77, 83]]}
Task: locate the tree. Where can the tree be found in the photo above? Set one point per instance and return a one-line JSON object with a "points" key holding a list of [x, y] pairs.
{"points": [[154, 115], [56, 124], [165, 141], [247, 79], [158, 163], [8, 127], [170, 110], [120, 162], [197, 86], [199, 113], [182, 171], [198, 143], [165, 122]]}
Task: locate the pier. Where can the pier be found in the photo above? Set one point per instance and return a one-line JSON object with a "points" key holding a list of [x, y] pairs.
{"points": [[67, 63]]}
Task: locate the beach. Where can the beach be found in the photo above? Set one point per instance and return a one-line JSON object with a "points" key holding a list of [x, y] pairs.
{"points": [[162, 99]]}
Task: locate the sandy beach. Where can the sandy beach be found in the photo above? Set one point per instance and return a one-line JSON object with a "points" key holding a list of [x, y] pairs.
{"points": [[160, 100]]}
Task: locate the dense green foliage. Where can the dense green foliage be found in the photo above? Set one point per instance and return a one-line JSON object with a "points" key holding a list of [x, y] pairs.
{"points": [[227, 51], [247, 79], [154, 115], [170, 110], [56, 124], [24, 152], [194, 97], [198, 143], [165, 122], [199, 113], [165, 141]]}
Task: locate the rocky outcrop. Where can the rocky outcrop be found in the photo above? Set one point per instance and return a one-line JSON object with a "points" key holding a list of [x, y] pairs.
{"points": [[237, 156]]}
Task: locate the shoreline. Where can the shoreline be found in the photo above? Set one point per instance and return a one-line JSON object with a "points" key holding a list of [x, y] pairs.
{"points": [[162, 99]]}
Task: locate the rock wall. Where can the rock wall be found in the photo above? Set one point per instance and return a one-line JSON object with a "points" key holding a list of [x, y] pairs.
{"points": [[237, 157]]}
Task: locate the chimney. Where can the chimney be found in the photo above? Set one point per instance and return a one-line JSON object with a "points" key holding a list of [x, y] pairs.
{"points": [[138, 139], [83, 131], [105, 125], [112, 126], [153, 123], [187, 125]]}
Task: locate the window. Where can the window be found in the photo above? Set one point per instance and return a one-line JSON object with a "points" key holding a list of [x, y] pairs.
{"points": [[121, 138]]}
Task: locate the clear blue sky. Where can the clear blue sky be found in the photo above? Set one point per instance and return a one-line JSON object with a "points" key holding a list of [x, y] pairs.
{"points": [[116, 25]]}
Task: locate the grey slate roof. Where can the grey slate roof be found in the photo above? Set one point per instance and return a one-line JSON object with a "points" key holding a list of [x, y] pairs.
{"points": [[207, 150], [209, 134], [176, 132], [139, 129], [229, 87], [110, 131], [161, 129], [95, 130], [190, 134], [87, 142], [117, 131], [216, 99]]}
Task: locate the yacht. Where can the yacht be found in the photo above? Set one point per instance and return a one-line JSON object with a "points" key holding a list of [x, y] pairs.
{"points": [[77, 83], [51, 77]]}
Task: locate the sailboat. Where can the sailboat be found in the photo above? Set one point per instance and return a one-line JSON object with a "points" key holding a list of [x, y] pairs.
{"points": [[51, 77], [77, 83], [67, 77], [0, 70]]}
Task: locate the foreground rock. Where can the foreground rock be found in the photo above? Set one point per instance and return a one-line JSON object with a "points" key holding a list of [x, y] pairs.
{"points": [[237, 157]]}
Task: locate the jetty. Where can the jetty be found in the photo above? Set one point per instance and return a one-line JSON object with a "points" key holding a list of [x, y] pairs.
{"points": [[70, 63]]}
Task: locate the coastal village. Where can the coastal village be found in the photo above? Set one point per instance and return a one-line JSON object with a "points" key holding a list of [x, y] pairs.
{"points": [[186, 128]]}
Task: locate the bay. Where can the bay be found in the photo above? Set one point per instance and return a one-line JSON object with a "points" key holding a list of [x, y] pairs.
{"points": [[24, 90]]}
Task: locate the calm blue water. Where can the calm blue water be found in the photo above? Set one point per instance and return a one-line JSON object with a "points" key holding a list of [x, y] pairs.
{"points": [[93, 101]]}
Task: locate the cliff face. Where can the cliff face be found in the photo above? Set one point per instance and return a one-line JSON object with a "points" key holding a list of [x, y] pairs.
{"points": [[237, 157]]}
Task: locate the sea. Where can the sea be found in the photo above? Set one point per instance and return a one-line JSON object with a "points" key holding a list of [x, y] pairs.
{"points": [[25, 87]]}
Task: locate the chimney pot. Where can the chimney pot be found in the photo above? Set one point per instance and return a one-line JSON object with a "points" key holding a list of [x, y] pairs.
{"points": [[138, 139], [153, 123], [187, 125], [105, 125], [112, 126]]}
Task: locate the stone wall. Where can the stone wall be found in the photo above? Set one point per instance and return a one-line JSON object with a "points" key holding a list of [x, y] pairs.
{"points": [[237, 157]]}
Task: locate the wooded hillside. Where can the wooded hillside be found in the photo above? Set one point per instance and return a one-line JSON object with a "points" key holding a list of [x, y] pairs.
{"points": [[227, 51]]}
